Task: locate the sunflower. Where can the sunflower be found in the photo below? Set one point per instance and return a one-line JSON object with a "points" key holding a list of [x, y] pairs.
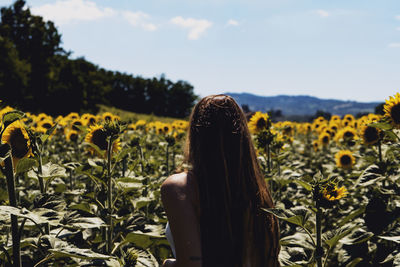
{"points": [[324, 138], [306, 127], [132, 126], [72, 135], [333, 128], [346, 134], [44, 125], [180, 124], [107, 116], [4, 111], [335, 119], [89, 120], [97, 136], [75, 124], [166, 128], [258, 122], [315, 144], [287, 128], [17, 137], [72, 116], [370, 135], [345, 159], [392, 110], [348, 117], [333, 194], [320, 119]]}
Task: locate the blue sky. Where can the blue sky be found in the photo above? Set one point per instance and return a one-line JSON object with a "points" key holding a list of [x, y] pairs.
{"points": [[343, 49]]}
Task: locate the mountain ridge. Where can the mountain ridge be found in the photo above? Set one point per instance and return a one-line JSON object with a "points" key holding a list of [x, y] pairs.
{"points": [[302, 104]]}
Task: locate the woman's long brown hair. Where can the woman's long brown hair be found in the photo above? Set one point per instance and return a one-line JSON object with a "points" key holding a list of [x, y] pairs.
{"points": [[235, 232]]}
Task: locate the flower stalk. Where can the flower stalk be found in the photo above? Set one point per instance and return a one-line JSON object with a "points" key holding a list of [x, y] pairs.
{"points": [[9, 173], [109, 196], [319, 251]]}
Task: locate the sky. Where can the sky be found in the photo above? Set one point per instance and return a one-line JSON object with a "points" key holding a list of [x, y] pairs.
{"points": [[342, 49]]}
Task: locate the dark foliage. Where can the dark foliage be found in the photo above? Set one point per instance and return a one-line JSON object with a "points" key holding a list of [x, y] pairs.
{"points": [[37, 75]]}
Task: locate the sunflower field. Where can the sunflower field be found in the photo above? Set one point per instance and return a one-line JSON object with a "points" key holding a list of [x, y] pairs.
{"points": [[84, 189]]}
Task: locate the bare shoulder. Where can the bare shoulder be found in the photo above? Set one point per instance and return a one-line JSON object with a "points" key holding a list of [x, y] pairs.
{"points": [[175, 186]]}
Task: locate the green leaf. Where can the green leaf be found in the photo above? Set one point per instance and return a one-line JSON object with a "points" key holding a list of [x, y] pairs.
{"points": [[97, 149], [81, 206], [357, 237], [6, 211], [351, 216], [304, 184], [354, 262], [381, 125], [395, 239], [61, 249], [129, 184], [86, 223], [369, 176], [334, 236], [149, 239], [11, 116], [392, 135], [49, 171], [146, 259], [25, 165], [288, 216]]}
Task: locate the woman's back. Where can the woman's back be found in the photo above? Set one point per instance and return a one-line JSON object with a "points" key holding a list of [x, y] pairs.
{"points": [[231, 191]]}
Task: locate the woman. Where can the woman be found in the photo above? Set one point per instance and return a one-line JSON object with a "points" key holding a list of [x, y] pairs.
{"points": [[215, 209]]}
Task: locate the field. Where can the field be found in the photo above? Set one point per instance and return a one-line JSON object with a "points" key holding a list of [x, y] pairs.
{"points": [[84, 189]]}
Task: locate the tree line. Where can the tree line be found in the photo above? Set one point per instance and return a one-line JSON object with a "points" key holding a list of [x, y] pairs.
{"points": [[38, 75]]}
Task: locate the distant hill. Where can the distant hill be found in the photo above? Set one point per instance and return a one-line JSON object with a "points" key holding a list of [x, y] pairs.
{"points": [[302, 104]]}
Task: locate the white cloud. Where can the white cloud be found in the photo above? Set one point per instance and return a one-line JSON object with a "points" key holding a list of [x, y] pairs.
{"points": [[139, 19], [394, 45], [232, 22], [68, 11], [196, 26], [397, 17], [322, 13]]}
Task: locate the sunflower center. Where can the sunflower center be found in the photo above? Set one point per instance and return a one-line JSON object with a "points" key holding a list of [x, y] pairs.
{"points": [[325, 140], [345, 160], [333, 194], [371, 134], [46, 125], [99, 138], [107, 118], [261, 123], [395, 113], [76, 124], [73, 137], [19, 145], [287, 130], [92, 121], [348, 135]]}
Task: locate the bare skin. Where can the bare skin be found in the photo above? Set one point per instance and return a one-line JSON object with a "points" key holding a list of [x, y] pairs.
{"points": [[179, 197]]}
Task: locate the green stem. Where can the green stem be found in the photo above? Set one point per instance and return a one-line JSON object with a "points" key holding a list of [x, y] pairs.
{"points": [[380, 151], [124, 166], [167, 159], [173, 160], [310, 235], [9, 172], [40, 174], [268, 158], [109, 197], [6, 255], [71, 180], [319, 252]]}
